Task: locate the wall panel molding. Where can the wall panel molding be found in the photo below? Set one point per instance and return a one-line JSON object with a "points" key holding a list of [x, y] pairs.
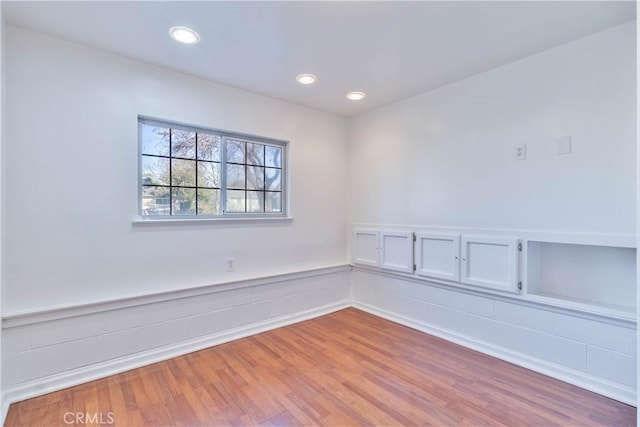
{"points": [[82, 343], [53, 349], [572, 376], [552, 305], [12, 320], [92, 372]]}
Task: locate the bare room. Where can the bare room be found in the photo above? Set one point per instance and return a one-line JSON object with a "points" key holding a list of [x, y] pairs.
{"points": [[318, 213]]}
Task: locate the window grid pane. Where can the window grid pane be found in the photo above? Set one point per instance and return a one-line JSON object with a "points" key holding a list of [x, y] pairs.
{"points": [[208, 147], [236, 176], [208, 174], [236, 201], [208, 201], [155, 140], [181, 171], [255, 154], [183, 201], [183, 144], [253, 199]]}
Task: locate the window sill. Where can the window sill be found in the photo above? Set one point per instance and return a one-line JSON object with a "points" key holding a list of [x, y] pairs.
{"points": [[143, 222]]}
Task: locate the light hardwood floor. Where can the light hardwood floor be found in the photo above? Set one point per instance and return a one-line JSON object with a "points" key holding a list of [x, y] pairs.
{"points": [[346, 368]]}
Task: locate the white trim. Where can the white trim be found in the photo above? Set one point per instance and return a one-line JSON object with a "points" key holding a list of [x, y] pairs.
{"points": [[15, 319], [623, 240], [581, 379], [96, 371], [600, 314], [140, 221]]}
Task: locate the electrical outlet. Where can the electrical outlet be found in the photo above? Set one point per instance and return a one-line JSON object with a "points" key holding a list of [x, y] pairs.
{"points": [[231, 264], [520, 151]]}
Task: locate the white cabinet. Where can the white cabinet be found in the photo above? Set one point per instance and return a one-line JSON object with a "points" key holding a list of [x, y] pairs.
{"points": [[365, 248], [591, 273], [396, 251], [490, 262], [438, 255], [388, 250]]}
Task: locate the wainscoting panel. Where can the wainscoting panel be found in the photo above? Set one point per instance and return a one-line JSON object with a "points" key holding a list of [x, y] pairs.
{"points": [[43, 352], [48, 351], [597, 355]]}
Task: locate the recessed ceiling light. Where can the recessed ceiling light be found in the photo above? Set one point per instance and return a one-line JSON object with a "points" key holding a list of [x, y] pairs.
{"points": [[306, 79], [356, 96], [184, 35]]}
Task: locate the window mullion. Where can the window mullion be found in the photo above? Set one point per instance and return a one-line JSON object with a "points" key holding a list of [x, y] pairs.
{"points": [[196, 147], [170, 176], [246, 178], [223, 175], [264, 178]]}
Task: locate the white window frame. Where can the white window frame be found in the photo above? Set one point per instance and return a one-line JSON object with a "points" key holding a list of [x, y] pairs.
{"points": [[224, 136]]}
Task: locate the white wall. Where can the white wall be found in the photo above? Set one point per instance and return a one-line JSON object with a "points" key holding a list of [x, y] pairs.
{"points": [[445, 158], [86, 292], [71, 180]]}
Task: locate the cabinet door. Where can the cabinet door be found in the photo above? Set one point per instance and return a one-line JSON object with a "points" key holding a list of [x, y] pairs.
{"points": [[438, 256], [365, 248], [490, 262], [396, 251]]}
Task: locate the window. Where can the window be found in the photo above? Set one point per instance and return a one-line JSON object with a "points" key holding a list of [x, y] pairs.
{"points": [[187, 171]]}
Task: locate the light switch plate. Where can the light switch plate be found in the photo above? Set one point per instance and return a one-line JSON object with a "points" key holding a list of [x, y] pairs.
{"points": [[564, 145]]}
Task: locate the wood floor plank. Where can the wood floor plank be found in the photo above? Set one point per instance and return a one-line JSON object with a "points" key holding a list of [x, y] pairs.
{"points": [[347, 368]]}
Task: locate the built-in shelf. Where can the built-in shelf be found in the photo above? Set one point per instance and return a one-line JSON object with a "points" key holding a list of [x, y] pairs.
{"points": [[586, 306], [593, 274], [601, 276]]}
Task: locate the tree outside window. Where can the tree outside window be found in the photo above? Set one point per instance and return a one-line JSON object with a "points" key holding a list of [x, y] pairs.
{"points": [[191, 172]]}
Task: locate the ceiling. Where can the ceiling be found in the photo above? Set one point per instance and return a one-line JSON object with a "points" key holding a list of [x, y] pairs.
{"points": [[390, 50]]}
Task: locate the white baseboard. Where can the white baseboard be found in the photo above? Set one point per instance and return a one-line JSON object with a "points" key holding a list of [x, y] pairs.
{"points": [[74, 377], [581, 379]]}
